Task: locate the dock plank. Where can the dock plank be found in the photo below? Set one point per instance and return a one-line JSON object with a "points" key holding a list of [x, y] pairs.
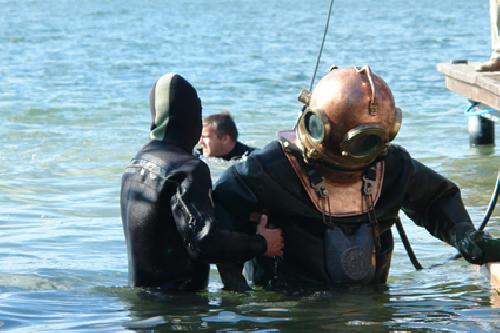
{"points": [[465, 79]]}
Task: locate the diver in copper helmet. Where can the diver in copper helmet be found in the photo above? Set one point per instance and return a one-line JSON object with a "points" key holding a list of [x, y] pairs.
{"points": [[336, 185], [166, 206]]}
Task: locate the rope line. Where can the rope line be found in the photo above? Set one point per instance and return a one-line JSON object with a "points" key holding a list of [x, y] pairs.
{"points": [[475, 109], [492, 204], [322, 44]]}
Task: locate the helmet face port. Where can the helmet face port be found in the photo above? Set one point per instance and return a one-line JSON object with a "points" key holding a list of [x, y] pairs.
{"points": [[314, 126]]}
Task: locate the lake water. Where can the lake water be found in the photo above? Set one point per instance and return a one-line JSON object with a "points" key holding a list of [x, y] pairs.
{"points": [[74, 85]]}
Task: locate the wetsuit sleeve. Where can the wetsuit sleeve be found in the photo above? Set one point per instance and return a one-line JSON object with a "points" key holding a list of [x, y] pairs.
{"points": [[193, 212], [434, 202]]}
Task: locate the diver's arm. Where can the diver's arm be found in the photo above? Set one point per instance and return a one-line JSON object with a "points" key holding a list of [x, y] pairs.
{"points": [[435, 203], [193, 212]]}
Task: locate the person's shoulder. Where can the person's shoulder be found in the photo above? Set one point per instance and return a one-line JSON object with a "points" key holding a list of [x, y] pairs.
{"points": [[162, 149], [194, 162], [239, 152], [257, 168], [192, 171], [173, 158], [397, 153], [398, 165], [246, 149], [395, 149], [271, 150], [243, 146]]}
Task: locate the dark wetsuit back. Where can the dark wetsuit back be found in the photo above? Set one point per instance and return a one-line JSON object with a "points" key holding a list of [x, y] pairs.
{"points": [[168, 216]]}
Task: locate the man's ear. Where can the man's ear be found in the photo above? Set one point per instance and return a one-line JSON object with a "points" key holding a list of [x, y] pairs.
{"points": [[226, 138]]}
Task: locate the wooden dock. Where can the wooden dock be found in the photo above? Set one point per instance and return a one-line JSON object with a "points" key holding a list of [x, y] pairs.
{"points": [[464, 79], [483, 90], [482, 87]]}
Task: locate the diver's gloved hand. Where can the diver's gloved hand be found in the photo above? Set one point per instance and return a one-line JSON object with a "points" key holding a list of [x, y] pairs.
{"points": [[478, 247]]}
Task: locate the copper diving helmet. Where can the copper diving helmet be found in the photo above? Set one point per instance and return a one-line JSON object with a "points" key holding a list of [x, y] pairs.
{"points": [[348, 120]]}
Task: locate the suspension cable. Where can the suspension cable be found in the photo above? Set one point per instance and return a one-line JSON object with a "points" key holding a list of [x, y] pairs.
{"points": [[322, 44]]}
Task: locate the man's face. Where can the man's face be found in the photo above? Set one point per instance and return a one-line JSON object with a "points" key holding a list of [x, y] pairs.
{"points": [[211, 143]]}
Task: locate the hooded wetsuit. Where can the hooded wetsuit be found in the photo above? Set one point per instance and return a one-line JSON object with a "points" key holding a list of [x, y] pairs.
{"points": [[166, 206]]}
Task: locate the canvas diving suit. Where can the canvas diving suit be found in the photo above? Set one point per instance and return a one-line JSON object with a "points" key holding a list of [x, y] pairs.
{"points": [[323, 250]]}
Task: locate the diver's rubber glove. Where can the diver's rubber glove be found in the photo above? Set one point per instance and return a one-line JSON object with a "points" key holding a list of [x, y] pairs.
{"points": [[478, 247]]}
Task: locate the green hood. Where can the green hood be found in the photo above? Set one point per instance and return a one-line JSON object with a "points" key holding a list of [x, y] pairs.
{"points": [[175, 112]]}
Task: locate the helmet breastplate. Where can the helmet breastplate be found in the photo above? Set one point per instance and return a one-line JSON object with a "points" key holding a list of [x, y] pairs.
{"points": [[336, 199]]}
